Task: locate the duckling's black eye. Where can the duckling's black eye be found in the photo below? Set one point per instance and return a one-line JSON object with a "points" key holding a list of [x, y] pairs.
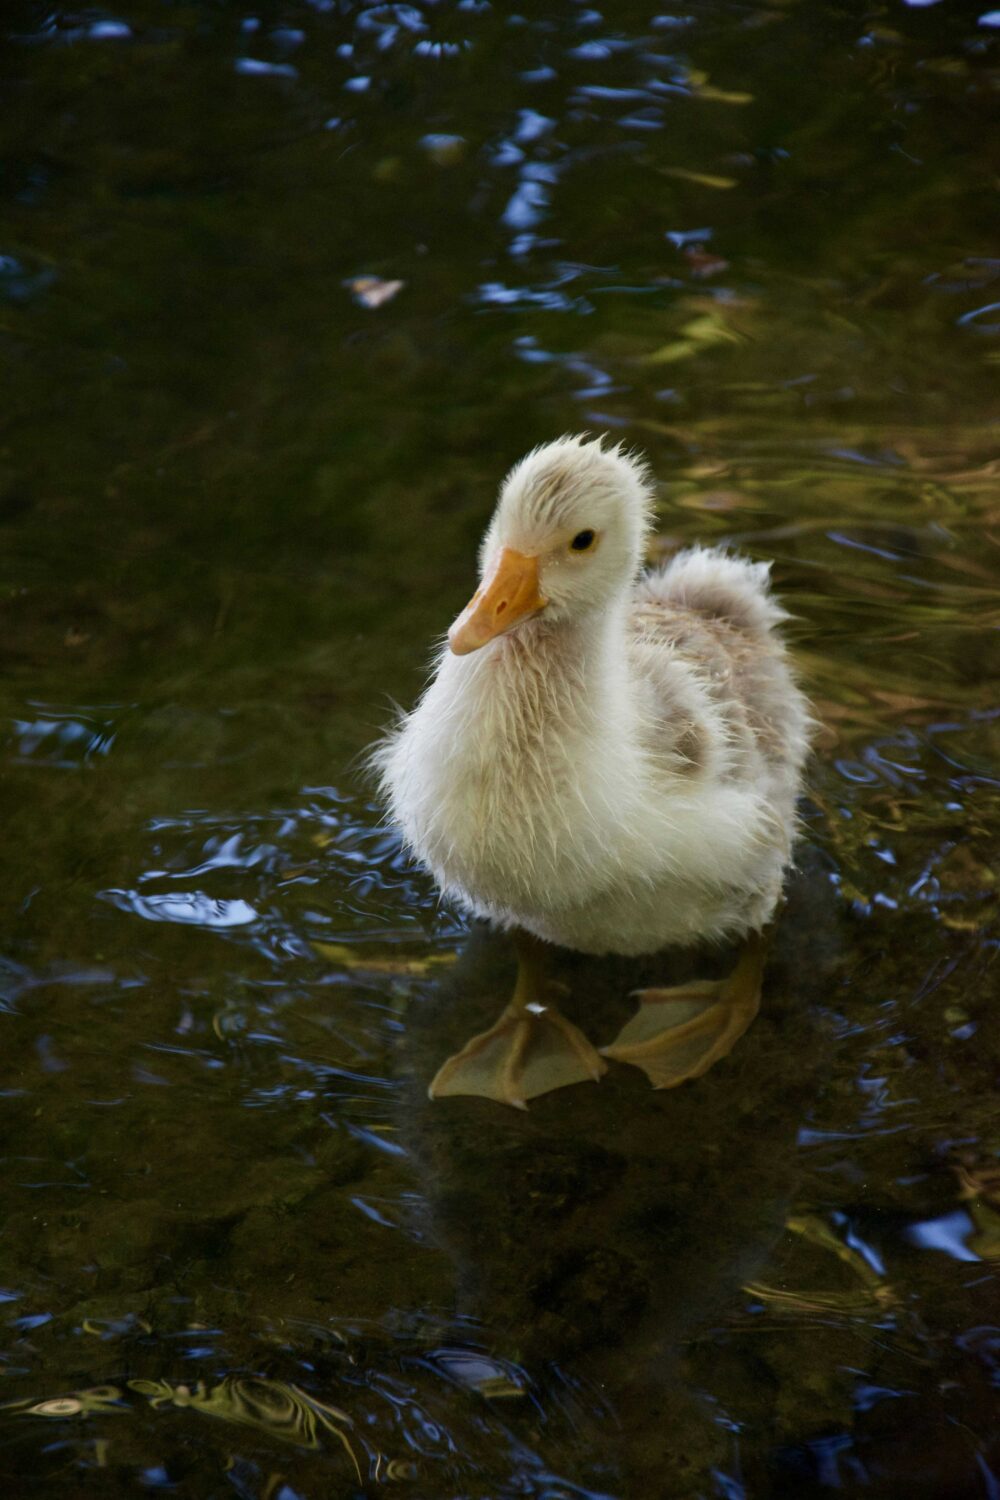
{"points": [[582, 541]]}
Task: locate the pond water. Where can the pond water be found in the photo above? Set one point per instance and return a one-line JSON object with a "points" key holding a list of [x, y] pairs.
{"points": [[284, 290]]}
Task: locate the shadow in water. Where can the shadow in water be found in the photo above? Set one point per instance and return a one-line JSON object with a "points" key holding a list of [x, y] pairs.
{"points": [[596, 1232]]}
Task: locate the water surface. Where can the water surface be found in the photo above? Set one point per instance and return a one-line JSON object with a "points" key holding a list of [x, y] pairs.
{"points": [[283, 292]]}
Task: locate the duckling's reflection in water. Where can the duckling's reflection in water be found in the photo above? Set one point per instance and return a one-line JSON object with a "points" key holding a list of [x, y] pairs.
{"points": [[601, 1229]]}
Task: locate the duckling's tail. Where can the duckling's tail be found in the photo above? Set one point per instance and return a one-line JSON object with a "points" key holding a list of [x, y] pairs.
{"points": [[715, 583]]}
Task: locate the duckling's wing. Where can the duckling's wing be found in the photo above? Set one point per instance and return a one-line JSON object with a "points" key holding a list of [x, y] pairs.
{"points": [[722, 695]]}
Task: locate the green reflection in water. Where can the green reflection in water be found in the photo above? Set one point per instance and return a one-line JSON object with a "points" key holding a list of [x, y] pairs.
{"points": [[279, 1409], [274, 335], [99, 1400]]}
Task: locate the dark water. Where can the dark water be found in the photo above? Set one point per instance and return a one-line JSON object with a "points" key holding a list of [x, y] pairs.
{"points": [[240, 494]]}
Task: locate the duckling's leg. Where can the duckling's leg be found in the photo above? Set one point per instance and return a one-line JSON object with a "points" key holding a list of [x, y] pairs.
{"points": [[531, 1050], [679, 1033]]}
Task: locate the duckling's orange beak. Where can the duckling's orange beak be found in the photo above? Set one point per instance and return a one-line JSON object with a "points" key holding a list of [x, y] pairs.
{"points": [[508, 594]]}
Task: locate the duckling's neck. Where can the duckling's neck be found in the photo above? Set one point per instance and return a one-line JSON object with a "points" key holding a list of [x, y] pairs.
{"points": [[521, 768], [551, 687]]}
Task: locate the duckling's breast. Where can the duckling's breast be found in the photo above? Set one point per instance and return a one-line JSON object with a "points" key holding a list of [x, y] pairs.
{"points": [[508, 790]]}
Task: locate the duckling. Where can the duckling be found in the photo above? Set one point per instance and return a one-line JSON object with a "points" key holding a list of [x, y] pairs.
{"points": [[607, 759]]}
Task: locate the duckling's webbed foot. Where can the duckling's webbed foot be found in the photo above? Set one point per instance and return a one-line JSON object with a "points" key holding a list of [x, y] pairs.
{"points": [[531, 1050], [525, 1054], [679, 1033]]}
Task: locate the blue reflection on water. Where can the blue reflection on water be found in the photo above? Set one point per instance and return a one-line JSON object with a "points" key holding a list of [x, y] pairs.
{"points": [[62, 740], [947, 1234], [192, 908]]}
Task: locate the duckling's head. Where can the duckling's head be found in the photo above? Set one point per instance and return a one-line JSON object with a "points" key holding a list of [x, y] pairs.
{"points": [[566, 539]]}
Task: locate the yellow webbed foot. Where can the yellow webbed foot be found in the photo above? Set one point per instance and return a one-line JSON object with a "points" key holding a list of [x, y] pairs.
{"points": [[679, 1033], [530, 1051]]}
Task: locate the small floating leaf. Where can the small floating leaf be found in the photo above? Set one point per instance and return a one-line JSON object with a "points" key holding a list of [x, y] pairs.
{"points": [[371, 291], [703, 179]]}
